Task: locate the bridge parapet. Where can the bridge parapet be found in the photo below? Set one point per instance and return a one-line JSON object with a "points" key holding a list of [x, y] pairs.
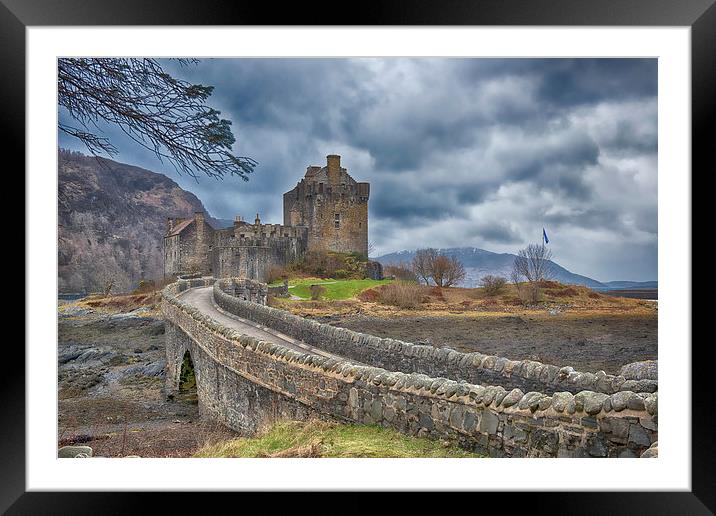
{"points": [[244, 289], [245, 382], [396, 355]]}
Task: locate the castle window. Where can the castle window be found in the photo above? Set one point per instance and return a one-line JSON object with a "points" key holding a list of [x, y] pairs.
{"points": [[337, 220], [320, 188]]}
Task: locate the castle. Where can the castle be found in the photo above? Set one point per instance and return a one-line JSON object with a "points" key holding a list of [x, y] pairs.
{"points": [[327, 211]]}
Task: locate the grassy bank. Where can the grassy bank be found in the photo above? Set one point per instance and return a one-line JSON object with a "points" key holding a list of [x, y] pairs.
{"points": [[322, 439], [335, 289]]}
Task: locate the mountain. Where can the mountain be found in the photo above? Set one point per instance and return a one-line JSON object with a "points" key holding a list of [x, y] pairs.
{"points": [[479, 262], [112, 218]]}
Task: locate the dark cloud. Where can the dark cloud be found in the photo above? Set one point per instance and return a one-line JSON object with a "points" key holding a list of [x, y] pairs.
{"points": [[479, 152]]}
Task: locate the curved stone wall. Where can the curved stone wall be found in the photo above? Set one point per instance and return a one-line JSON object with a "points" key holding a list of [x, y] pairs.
{"points": [[396, 355], [246, 383]]}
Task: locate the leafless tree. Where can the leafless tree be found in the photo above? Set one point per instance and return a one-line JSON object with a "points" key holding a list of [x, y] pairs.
{"points": [[401, 271], [447, 271], [533, 263], [107, 281], [516, 278], [423, 262], [371, 247], [165, 115]]}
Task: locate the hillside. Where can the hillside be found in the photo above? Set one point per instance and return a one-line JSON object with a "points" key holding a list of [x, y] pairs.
{"points": [[111, 219], [479, 262]]}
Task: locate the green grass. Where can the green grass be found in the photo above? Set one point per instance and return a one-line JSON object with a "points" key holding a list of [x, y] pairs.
{"points": [[335, 289], [321, 439]]}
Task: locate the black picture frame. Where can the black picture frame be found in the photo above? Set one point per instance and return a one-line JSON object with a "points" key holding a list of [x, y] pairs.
{"points": [[700, 15]]}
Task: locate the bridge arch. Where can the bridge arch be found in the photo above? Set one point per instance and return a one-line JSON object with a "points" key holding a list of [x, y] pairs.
{"points": [[187, 385]]}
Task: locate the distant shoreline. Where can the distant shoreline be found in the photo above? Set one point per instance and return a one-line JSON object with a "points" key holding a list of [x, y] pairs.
{"points": [[649, 294]]}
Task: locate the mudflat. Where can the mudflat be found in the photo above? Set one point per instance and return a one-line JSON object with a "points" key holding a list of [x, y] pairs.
{"points": [[587, 342], [110, 388]]}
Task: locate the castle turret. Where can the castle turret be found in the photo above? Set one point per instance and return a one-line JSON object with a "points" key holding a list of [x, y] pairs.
{"points": [[334, 168], [332, 205]]}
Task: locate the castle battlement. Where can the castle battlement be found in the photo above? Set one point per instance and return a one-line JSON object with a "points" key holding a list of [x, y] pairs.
{"points": [[326, 210]]}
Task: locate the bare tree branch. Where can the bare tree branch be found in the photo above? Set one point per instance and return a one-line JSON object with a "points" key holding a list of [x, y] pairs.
{"points": [[160, 113]]}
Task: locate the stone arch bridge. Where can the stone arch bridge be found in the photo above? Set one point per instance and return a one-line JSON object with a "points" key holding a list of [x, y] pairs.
{"points": [[255, 364]]}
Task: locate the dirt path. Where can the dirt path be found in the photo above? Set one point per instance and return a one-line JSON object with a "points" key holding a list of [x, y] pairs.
{"points": [[585, 342]]}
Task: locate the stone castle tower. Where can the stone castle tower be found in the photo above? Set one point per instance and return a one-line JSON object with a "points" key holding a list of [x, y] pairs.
{"points": [[328, 210], [333, 206]]}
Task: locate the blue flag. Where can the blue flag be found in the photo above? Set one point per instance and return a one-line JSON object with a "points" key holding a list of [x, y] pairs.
{"points": [[544, 236]]}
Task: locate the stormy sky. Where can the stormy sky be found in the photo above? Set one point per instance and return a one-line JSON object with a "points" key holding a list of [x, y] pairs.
{"points": [[459, 152]]}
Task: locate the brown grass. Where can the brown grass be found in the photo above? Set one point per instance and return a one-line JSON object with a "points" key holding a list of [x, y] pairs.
{"points": [[402, 294], [124, 303], [475, 301]]}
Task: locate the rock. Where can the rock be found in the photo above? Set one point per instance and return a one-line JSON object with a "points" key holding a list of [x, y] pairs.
{"points": [[69, 356], [74, 452], [72, 311], [652, 452], [560, 400], [152, 369], [641, 385], [594, 402], [564, 372], [645, 370], [619, 400], [545, 403], [512, 397], [651, 403], [635, 402], [488, 422], [638, 435]]}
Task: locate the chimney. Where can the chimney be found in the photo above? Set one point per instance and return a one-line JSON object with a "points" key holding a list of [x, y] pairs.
{"points": [[334, 168], [199, 216], [170, 224], [258, 220]]}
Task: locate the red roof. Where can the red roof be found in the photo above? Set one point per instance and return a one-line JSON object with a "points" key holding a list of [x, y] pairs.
{"points": [[181, 226]]}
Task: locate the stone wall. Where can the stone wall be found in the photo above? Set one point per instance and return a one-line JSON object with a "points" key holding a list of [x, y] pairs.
{"points": [[190, 249], [245, 289], [250, 250], [396, 355], [244, 383]]}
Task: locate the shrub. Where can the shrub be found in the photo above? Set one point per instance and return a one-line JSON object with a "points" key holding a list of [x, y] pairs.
{"points": [[569, 292], [402, 294], [530, 293], [326, 264], [370, 295], [401, 272], [438, 293], [493, 285], [317, 292], [145, 286]]}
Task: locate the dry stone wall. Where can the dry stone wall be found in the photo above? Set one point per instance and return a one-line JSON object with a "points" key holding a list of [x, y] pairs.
{"points": [[244, 383], [396, 355]]}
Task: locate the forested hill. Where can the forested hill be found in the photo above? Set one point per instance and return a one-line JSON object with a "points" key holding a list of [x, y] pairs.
{"points": [[112, 218]]}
